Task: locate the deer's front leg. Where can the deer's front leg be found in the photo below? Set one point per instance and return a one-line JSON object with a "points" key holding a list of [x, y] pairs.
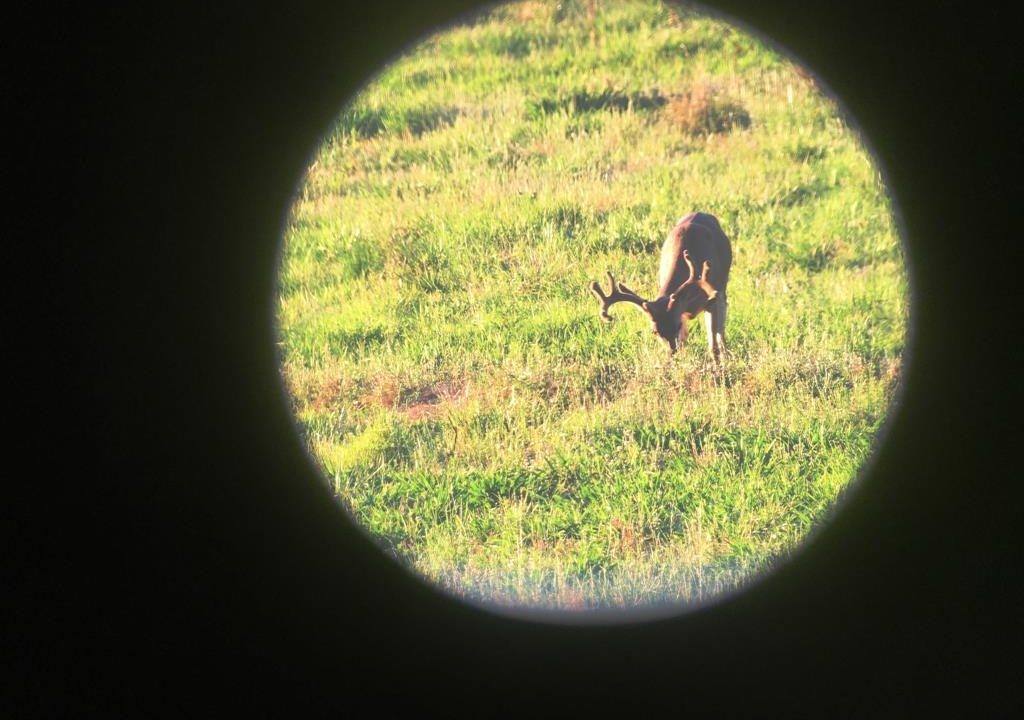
{"points": [[718, 326], [710, 328], [714, 326]]}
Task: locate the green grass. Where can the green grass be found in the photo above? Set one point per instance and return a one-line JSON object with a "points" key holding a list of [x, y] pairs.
{"points": [[446, 361]]}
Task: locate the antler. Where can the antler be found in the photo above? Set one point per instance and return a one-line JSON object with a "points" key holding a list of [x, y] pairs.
{"points": [[619, 293], [701, 282], [689, 264]]}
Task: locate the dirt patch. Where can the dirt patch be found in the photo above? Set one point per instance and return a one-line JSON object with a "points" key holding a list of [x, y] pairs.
{"points": [[383, 393], [417, 402], [430, 400], [703, 110], [326, 394]]}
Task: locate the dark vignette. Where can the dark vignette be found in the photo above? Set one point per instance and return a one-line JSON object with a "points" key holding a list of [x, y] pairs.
{"points": [[181, 555]]}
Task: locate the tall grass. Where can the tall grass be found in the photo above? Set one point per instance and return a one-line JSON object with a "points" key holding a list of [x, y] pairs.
{"points": [[447, 364]]}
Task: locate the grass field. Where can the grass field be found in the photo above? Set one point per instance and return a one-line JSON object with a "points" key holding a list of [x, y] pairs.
{"points": [[447, 364]]}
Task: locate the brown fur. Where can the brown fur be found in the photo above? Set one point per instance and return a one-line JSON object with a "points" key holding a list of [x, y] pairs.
{"points": [[697, 241]]}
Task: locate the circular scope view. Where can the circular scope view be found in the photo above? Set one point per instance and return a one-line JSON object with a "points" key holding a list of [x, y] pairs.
{"points": [[590, 305]]}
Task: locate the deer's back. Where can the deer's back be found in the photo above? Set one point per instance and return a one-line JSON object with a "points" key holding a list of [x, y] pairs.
{"points": [[702, 236]]}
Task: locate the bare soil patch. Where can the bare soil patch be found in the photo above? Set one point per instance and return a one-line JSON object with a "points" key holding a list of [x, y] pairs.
{"points": [[416, 402]]}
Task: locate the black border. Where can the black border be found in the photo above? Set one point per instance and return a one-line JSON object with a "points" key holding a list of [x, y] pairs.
{"points": [[179, 549]]}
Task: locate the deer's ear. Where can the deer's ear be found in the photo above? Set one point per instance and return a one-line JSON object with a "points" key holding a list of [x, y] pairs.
{"points": [[645, 306]]}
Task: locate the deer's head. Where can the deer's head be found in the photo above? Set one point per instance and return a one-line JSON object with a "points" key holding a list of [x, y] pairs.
{"points": [[669, 314]]}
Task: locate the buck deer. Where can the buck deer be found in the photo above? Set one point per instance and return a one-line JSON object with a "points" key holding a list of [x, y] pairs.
{"points": [[696, 238]]}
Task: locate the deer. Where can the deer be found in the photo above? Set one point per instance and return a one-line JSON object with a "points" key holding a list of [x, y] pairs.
{"points": [[683, 294]]}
